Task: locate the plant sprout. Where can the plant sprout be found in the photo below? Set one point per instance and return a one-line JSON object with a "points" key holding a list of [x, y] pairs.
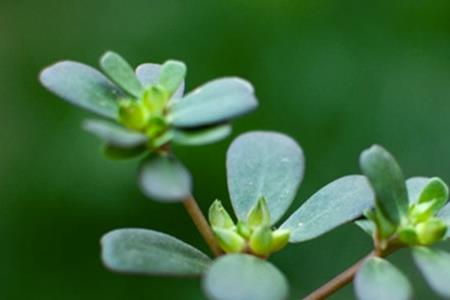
{"points": [[144, 112]]}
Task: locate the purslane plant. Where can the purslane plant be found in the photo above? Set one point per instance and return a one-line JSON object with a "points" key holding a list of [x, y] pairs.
{"points": [[407, 214], [147, 112]]}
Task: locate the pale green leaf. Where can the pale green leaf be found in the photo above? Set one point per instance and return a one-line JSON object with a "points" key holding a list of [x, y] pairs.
{"points": [[379, 279], [164, 178], [119, 71], [444, 214], [341, 201], [367, 226], [172, 75], [148, 252], [148, 74], [388, 182], [83, 86], [215, 102], [201, 136], [114, 134], [435, 267], [244, 277], [265, 164], [415, 185]]}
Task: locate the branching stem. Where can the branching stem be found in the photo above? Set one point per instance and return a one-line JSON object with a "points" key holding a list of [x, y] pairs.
{"points": [[202, 225], [347, 276]]}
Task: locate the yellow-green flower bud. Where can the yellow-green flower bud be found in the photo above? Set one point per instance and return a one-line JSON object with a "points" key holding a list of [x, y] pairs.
{"points": [[219, 217], [244, 230], [155, 99], [420, 212], [133, 115], [431, 231], [156, 126], [408, 235], [259, 215], [229, 240], [280, 238], [261, 241]]}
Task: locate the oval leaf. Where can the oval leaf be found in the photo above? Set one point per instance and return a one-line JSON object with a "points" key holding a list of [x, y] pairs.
{"points": [[435, 267], [388, 182], [378, 279], [164, 178], [341, 201], [415, 185], [244, 277], [148, 74], [83, 86], [172, 75], [118, 69], [265, 164], [202, 136], [214, 102], [435, 190], [148, 252], [114, 134]]}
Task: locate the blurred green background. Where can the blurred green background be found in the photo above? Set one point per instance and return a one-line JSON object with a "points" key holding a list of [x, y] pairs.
{"points": [[336, 75]]}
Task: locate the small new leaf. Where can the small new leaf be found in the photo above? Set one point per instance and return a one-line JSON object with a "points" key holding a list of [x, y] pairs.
{"points": [[172, 75], [280, 239], [261, 241], [229, 240], [219, 217], [259, 215]]}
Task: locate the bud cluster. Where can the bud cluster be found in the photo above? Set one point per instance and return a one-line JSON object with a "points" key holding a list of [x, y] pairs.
{"points": [[147, 114], [254, 235], [422, 227]]}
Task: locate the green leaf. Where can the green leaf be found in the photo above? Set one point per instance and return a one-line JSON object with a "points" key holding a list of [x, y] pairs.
{"points": [[165, 179], [148, 74], [215, 102], [415, 185], [201, 136], [114, 134], [435, 267], [341, 201], [436, 190], [265, 164], [118, 153], [172, 75], [244, 277], [83, 86], [388, 182], [148, 252], [444, 214], [119, 71], [378, 279]]}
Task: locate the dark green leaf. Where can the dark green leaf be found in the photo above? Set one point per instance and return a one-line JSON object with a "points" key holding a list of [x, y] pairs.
{"points": [[114, 134], [387, 180], [148, 252], [83, 86], [214, 102], [265, 164], [378, 279], [148, 74], [118, 69], [165, 179], [341, 201], [435, 190], [118, 153], [201, 136], [244, 277], [435, 267]]}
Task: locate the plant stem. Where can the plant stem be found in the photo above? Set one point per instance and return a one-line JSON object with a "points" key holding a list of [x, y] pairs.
{"points": [[347, 276], [339, 281], [202, 225]]}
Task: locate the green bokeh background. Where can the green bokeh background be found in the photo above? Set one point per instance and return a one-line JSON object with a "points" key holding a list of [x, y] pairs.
{"points": [[336, 75]]}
